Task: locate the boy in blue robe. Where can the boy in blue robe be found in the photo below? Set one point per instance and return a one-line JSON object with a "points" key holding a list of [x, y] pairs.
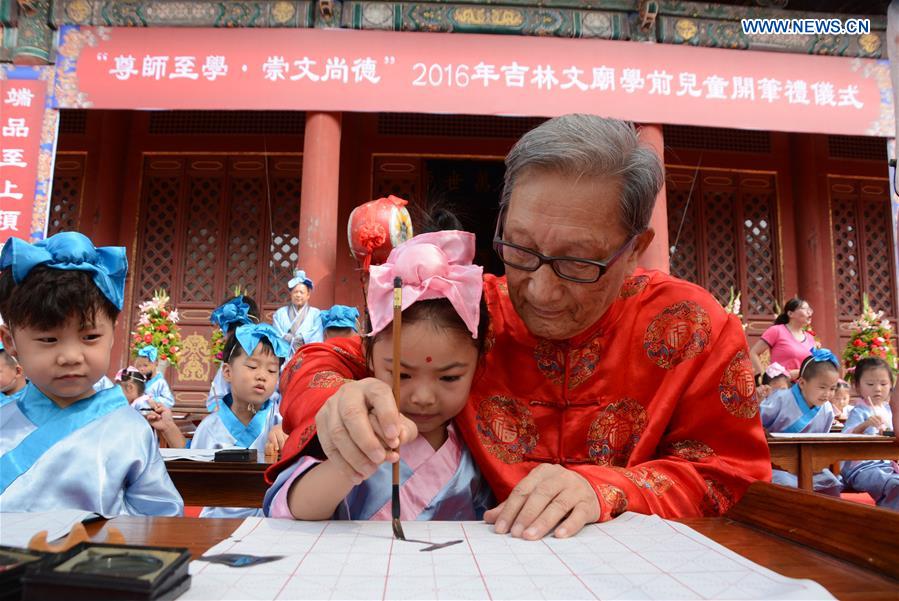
{"points": [[340, 321], [253, 356], [156, 386], [236, 311], [12, 378], [805, 408], [65, 445]]}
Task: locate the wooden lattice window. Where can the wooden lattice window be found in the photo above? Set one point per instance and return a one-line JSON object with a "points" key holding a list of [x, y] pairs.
{"points": [[231, 221], [68, 187], [161, 204], [203, 240], [722, 230], [863, 246], [284, 243]]}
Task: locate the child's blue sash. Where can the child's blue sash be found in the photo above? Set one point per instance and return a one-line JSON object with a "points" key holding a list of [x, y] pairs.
{"points": [[53, 424], [244, 436], [807, 413]]}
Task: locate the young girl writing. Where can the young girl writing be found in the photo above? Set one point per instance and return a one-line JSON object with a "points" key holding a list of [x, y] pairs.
{"points": [[841, 407], [65, 445], [253, 357], [775, 377], [873, 380], [134, 384], [805, 407], [156, 387], [443, 328], [12, 378]]}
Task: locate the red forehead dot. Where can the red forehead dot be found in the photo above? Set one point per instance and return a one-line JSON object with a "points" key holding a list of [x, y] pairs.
{"points": [[428, 359]]}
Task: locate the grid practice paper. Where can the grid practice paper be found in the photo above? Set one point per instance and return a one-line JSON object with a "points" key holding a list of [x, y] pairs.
{"points": [[631, 557]]}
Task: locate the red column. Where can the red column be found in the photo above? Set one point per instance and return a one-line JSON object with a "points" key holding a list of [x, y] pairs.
{"points": [[814, 249], [656, 255], [318, 204]]}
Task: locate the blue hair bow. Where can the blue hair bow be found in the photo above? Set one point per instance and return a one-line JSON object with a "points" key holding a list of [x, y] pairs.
{"points": [[235, 311], [250, 335], [340, 316], [108, 265], [299, 277], [823, 354], [150, 352]]}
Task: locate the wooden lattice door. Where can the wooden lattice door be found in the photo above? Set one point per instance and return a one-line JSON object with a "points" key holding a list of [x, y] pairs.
{"points": [[723, 230], [68, 189], [863, 249], [210, 223]]}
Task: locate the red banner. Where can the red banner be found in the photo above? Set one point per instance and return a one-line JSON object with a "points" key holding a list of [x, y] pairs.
{"points": [[21, 122], [343, 70]]}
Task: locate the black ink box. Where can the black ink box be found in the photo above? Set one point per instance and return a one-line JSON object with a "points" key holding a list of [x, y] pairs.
{"points": [[231, 455], [13, 564], [99, 572]]}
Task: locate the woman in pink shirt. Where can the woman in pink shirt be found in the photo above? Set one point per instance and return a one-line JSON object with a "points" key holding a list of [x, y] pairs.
{"points": [[787, 338]]}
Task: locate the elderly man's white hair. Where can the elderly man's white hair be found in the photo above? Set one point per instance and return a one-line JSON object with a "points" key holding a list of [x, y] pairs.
{"points": [[588, 146]]}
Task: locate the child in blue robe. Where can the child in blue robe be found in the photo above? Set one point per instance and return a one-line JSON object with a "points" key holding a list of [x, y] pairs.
{"points": [[65, 445], [234, 312], [12, 378], [156, 387], [103, 383], [444, 321], [873, 381], [253, 356], [805, 407], [340, 321]]}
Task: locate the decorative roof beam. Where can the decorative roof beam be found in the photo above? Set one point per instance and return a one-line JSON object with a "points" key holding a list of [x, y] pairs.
{"points": [[184, 13], [718, 26], [468, 18]]}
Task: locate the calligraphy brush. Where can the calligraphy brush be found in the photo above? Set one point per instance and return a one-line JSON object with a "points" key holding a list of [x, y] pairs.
{"points": [[397, 325]]}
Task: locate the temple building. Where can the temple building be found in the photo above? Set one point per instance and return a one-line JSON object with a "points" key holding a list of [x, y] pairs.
{"points": [[773, 189]]}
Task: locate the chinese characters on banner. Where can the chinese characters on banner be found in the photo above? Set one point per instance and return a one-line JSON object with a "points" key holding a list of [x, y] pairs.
{"points": [[21, 120], [339, 70]]}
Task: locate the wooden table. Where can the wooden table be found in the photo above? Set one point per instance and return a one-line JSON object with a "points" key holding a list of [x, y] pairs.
{"points": [[806, 455], [219, 484], [848, 548], [241, 484]]}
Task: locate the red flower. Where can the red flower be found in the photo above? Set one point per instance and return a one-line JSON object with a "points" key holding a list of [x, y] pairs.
{"points": [[163, 328], [164, 357], [148, 339], [858, 342]]}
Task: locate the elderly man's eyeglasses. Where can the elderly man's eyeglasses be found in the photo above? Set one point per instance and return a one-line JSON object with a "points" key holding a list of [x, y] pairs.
{"points": [[574, 269], [584, 271]]}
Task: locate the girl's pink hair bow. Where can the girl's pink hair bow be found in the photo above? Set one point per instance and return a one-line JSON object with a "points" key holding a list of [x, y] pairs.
{"points": [[433, 265]]}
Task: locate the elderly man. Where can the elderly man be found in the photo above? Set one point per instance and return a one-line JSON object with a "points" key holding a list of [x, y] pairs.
{"points": [[606, 388]]}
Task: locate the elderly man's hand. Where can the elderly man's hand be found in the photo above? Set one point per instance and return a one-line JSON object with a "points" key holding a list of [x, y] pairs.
{"points": [[549, 497], [360, 425]]}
